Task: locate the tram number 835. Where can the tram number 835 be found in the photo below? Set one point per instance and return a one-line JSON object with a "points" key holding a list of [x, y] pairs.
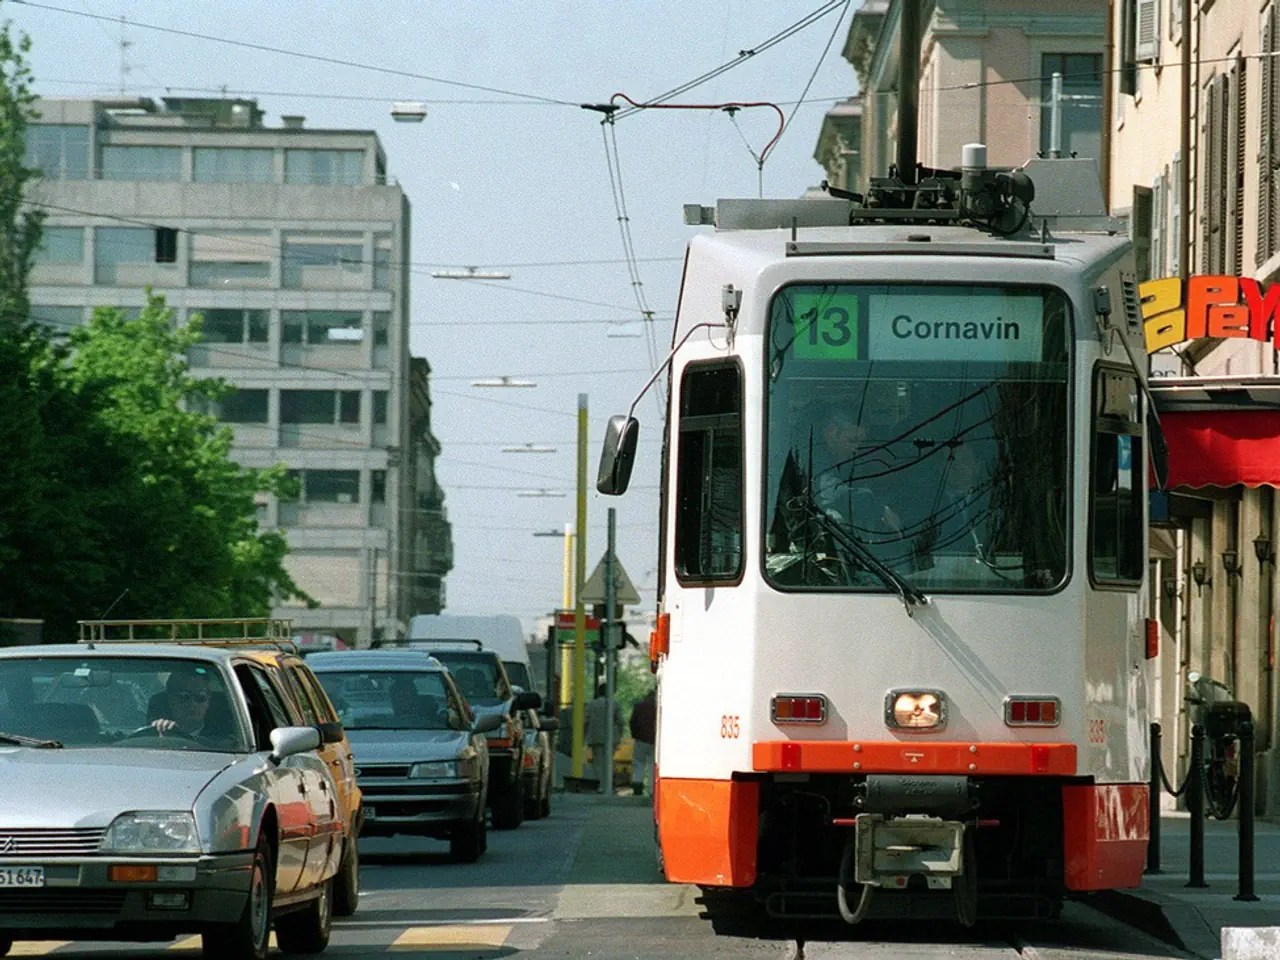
{"points": [[729, 728]]}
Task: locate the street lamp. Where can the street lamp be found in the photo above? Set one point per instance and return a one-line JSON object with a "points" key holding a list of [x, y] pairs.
{"points": [[502, 382], [471, 273], [529, 448], [408, 111]]}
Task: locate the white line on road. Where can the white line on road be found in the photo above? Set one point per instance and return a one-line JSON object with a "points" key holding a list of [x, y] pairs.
{"points": [[343, 924]]}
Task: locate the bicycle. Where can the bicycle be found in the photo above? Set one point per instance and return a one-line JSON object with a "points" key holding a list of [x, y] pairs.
{"points": [[1216, 711]]}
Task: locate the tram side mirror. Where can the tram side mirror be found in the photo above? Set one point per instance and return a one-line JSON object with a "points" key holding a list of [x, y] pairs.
{"points": [[618, 456]]}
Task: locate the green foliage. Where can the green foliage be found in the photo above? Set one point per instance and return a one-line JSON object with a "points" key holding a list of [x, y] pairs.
{"points": [[145, 494], [19, 227], [631, 681]]}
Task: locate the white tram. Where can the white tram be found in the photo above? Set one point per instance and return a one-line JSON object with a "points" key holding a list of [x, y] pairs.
{"points": [[901, 644]]}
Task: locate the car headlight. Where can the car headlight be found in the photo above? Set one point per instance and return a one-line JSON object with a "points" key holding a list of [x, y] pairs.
{"points": [[434, 770], [152, 831]]}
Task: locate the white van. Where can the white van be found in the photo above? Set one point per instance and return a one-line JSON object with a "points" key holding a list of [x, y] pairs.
{"points": [[500, 633]]}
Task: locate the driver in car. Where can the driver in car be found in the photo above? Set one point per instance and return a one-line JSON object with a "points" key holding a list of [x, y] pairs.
{"points": [[184, 708]]}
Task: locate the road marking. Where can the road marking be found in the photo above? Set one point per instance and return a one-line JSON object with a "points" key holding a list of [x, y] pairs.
{"points": [[194, 943], [344, 924], [453, 935], [36, 948]]}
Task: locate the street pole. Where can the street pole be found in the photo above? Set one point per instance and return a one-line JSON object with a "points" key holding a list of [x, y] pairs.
{"points": [[606, 633], [1055, 115], [566, 600], [579, 612]]}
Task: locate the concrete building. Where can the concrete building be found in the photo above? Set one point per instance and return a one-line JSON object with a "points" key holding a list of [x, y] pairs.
{"points": [[1194, 122], [293, 244], [985, 75]]}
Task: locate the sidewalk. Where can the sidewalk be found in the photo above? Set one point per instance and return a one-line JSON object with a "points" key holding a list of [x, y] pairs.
{"points": [[1193, 919]]}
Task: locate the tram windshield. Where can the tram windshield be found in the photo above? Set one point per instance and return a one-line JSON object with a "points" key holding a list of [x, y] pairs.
{"points": [[928, 422]]}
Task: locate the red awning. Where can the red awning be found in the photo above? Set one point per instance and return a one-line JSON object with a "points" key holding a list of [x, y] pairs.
{"points": [[1221, 448]]}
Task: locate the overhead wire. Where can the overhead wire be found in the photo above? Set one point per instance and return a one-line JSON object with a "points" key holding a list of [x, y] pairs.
{"points": [[314, 57]]}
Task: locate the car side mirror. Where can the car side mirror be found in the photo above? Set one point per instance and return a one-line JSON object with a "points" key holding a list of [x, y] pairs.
{"points": [[618, 456], [487, 722], [549, 724], [289, 741], [331, 732], [527, 700]]}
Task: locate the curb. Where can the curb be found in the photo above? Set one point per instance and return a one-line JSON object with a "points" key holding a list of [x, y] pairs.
{"points": [[1177, 924]]}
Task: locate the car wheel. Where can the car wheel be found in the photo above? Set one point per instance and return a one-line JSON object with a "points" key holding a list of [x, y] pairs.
{"points": [[346, 885], [533, 800], [247, 938], [508, 805], [544, 808], [466, 845], [307, 930]]}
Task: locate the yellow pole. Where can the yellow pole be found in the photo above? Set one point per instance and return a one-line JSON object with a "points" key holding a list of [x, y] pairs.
{"points": [[567, 594], [579, 613], [564, 694]]}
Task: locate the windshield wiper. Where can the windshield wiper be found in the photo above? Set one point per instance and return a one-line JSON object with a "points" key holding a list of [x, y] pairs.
{"points": [[908, 594], [21, 741]]}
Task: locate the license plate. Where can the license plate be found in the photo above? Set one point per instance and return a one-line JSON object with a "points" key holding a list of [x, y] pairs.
{"points": [[21, 876]]}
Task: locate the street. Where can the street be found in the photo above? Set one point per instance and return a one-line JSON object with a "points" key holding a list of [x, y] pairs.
{"points": [[583, 884]]}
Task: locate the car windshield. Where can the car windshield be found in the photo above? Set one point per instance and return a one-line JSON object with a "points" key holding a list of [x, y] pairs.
{"points": [[916, 438], [390, 699], [476, 675], [135, 702], [518, 674]]}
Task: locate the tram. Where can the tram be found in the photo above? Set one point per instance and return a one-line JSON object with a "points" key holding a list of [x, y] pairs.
{"points": [[901, 642]]}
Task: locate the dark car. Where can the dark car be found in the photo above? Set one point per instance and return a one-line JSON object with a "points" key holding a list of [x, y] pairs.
{"points": [[483, 680], [420, 751]]}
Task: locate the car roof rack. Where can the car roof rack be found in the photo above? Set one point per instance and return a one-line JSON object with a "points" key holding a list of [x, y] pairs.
{"points": [[269, 632]]}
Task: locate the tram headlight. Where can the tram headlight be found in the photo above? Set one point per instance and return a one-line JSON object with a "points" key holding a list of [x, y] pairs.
{"points": [[915, 710]]}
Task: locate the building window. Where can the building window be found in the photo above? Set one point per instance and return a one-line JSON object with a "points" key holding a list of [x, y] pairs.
{"points": [[120, 248], [331, 167], [709, 481], [379, 407], [331, 486], [233, 165], [60, 320], [320, 406], [58, 151], [378, 486], [61, 245], [142, 163], [1118, 487], [230, 258], [323, 261], [243, 406], [234, 325], [382, 262], [343, 328], [1081, 105]]}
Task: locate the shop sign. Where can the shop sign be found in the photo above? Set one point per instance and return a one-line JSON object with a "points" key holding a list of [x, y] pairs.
{"points": [[1174, 311]]}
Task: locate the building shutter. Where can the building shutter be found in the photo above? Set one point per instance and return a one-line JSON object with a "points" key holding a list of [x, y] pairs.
{"points": [[1175, 215], [1159, 226], [1140, 229], [1147, 30], [1268, 149], [1209, 165], [1235, 168]]}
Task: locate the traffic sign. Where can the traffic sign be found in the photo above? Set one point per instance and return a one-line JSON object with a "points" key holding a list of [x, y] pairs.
{"points": [[624, 589]]}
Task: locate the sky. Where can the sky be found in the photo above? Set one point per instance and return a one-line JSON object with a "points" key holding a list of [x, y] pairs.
{"points": [[508, 172]]}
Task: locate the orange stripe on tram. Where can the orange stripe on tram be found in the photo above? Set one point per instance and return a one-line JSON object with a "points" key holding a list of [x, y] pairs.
{"points": [[1105, 830], [847, 756]]}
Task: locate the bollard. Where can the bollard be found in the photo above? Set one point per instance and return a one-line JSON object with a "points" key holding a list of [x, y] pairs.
{"points": [[1153, 831], [1245, 828], [1195, 806]]}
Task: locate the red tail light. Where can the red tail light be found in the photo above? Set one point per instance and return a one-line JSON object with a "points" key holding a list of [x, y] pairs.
{"points": [[1032, 711], [799, 708]]}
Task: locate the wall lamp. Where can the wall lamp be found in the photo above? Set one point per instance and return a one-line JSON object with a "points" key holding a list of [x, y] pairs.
{"points": [[1264, 549], [1172, 588], [1200, 574], [1231, 564]]}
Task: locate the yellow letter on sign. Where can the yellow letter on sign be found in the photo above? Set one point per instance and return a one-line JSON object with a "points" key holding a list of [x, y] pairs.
{"points": [[1164, 321]]}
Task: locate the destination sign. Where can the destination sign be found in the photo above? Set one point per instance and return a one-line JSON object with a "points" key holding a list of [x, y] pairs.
{"points": [[983, 327]]}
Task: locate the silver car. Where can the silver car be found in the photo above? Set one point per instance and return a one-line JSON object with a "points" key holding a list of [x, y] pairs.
{"points": [[149, 791], [421, 756]]}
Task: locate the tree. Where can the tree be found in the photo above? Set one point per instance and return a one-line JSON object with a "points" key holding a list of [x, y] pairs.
{"points": [[19, 223]]}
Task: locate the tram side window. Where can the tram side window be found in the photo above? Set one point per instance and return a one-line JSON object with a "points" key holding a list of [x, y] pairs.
{"points": [[1118, 479], [708, 528]]}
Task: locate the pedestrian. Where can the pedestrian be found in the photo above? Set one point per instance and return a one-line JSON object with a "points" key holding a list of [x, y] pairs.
{"points": [[644, 730], [598, 720]]}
